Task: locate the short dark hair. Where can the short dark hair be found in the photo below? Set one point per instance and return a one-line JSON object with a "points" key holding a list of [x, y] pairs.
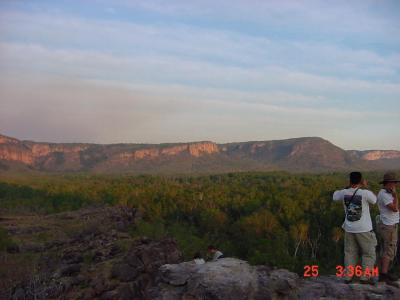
{"points": [[355, 177], [211, 247]]}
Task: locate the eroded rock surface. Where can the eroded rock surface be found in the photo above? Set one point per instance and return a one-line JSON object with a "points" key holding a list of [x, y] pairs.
{"points": [[89, 254], [231, 278], [85, 254], [298, 154]]}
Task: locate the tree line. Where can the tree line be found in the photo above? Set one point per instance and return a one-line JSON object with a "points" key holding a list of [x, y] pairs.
{"points": [[280, 219]]}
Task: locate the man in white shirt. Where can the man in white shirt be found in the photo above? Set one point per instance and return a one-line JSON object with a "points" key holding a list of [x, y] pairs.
{"points": [[359, 236], [198, 260], [388, 223]]}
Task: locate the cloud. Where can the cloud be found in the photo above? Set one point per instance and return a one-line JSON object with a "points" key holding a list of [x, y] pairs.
{"points": [[369, 18], [174, 80], [163, 69], [188, 42]]}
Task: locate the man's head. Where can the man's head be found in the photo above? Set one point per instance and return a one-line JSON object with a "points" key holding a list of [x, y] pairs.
{"points": [[355, 178], [389, 180], [211, 249]]}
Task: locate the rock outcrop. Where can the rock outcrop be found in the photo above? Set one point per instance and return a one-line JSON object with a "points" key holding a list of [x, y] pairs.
{"points": [[331, 287], [88, 255], [233, 279], [192, 149], [299, 154], [109, 275], [138, 268], [379, 154]]}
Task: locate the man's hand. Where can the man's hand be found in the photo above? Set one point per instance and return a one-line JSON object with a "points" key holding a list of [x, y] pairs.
{"points": [[394, 206], [364, 183]]}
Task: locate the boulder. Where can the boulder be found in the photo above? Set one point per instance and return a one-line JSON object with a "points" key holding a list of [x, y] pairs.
{"points": [[140, 265], [331, 287], [231, 278]]}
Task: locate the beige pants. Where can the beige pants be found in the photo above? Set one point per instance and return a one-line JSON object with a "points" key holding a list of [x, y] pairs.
{"points": [[363, 243], [387, 240]]}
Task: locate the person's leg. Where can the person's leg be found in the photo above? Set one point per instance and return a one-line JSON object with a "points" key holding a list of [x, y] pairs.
{"points": [[395, 240], [367, 243], [389, 234], [350, 251], [385, 262], [379, 248]]}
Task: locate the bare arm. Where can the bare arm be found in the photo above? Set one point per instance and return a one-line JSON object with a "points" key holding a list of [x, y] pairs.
{"points": [[394, 206], [371, 197]]}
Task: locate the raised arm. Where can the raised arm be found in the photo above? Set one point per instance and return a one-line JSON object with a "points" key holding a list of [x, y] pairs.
{"points": [[338, 195], [371, 198], [391, 204]]}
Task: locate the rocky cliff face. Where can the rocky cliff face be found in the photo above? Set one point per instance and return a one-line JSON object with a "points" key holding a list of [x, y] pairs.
{"points": [[85, 254], [192, 149], [7, 140], [77, 157], [379, 154], [41, 155], [15, 152], [301, 154]]}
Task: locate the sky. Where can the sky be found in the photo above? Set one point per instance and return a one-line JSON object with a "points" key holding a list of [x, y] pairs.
{"points": [[177, 71]]}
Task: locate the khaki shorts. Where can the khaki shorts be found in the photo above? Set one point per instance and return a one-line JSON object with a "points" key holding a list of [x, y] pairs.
{"points": [[388, 240]]}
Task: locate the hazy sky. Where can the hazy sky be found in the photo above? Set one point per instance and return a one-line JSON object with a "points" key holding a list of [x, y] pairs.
{"points": [[172, 71]]}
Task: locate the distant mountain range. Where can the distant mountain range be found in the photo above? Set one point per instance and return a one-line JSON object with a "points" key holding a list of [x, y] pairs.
{"points": [[308, 154]]}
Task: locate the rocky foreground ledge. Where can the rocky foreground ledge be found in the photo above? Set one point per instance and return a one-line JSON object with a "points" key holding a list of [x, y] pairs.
{"points": [[231, 278], [88, 254]]}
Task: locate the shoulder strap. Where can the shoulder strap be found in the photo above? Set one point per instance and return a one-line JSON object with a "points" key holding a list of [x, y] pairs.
{"points": [[351, 199], [355, 192]]}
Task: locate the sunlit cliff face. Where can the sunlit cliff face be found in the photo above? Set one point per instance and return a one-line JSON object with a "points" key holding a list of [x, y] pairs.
{"points": [[298, 154], [378, 154], [29, 153], [193, 149]]}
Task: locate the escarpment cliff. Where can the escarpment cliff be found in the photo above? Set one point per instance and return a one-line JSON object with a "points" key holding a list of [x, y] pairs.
{"points": [[309, 154], [153, 152], [379, 154]]}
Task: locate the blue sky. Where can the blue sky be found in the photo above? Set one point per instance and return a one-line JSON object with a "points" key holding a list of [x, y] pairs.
{"points": [[174, 71]]}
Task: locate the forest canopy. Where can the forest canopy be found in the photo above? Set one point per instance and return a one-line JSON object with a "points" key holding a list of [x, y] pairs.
{"points": [[279, 219]]}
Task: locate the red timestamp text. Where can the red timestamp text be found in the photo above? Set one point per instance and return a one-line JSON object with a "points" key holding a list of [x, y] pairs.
{"points": [[311, 271], [357, 271]]}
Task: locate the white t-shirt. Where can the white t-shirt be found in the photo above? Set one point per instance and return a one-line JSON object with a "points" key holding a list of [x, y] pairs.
{"points": [[199, 261], [357, 216], [217, 255], [388, 216]]}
